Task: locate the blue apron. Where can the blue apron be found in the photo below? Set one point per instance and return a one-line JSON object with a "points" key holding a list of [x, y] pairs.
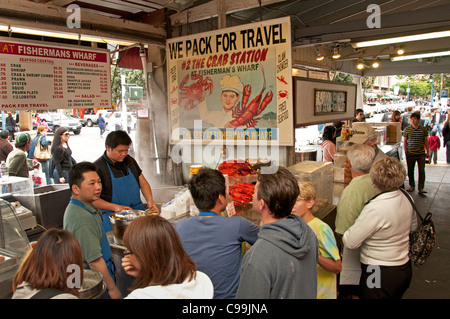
{"points": [[126, 192], [106, 249]]}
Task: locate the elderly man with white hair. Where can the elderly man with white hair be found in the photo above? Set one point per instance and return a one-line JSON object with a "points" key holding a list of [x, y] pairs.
{"points": [[350, 205]]}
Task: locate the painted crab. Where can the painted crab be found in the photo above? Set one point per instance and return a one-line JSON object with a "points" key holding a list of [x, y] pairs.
{"points": [[193, 94]]}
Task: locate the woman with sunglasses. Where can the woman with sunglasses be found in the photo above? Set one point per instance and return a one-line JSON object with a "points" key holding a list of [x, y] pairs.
{"points": [[61, 156]]}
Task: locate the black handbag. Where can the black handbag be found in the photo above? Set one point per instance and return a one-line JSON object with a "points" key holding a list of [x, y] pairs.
{"points": [[423, 239]]}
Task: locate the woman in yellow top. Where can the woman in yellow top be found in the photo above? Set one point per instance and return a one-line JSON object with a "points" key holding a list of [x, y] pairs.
{"points": [[329, 260]]}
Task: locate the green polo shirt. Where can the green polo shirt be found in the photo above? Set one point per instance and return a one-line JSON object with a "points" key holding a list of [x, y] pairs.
{"points": [[86, 228], [352, 201]]}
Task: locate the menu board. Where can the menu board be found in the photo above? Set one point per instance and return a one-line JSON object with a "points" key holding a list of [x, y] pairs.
{"points": [[44, 76], [232, 84]]}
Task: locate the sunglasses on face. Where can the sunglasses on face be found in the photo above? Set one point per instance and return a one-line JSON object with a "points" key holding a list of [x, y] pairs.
{"points": [[66, 134]]}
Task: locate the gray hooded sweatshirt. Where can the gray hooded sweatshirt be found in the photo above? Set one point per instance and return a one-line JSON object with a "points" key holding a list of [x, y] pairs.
{"points": [[282, 264]]}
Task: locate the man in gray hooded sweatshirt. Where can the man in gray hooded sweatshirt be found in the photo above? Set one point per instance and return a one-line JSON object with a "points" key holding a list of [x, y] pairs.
{"points": [[282, 263]]}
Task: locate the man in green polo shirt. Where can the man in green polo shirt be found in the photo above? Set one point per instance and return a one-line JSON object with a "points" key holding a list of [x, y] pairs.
{"points": [[350, 205], [415, 142], [83, 220]]}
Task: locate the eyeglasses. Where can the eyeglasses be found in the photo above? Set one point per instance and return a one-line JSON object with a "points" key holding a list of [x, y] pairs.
{"points": [[66, 134]]}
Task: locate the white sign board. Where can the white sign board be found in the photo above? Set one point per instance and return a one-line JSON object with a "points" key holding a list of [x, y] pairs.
{"points": [[235, 82], [44, 76]]}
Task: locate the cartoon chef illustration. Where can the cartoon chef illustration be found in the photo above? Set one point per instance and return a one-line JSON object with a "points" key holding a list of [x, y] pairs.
{"points": [[231, 91]]}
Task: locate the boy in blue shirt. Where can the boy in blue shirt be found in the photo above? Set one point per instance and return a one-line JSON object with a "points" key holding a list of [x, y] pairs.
{"points": [[212, 241]]}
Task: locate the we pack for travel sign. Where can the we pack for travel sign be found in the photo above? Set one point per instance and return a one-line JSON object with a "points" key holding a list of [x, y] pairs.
{"points": [[232, 84], [44, 76]]}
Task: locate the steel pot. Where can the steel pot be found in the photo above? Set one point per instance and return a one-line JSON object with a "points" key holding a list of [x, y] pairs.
{"points": [[121, 220], [93, 286]]}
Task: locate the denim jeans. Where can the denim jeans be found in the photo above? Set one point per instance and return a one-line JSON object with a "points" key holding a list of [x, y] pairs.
{"points": [[411, 163], [56, 177], [46, 171]]}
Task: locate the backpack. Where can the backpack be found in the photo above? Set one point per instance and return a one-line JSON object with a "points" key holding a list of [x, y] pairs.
{"points": [[423, 239]]}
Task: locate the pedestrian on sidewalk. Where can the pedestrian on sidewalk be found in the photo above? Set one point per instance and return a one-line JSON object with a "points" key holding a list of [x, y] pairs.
{"points": [[446, 134], [101, 124], [435, 144], [415, 141]]}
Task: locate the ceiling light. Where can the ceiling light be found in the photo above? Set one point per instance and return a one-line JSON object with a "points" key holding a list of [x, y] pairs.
{"points": [[375, 64], [420, 56], [407, 38], [360, 65], [319, 56], [336, 54], [65, 35], [400, 51]]}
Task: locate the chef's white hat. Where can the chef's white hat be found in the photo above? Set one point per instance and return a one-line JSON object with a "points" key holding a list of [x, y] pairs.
{"points": [[231, 83]]}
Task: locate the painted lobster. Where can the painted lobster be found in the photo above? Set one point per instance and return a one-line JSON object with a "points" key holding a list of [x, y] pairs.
{"points": [[235, 168], [244, 114], [193, 94], [242, 193]]}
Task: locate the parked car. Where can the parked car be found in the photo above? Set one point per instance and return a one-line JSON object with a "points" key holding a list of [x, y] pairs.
{"points": [[57, 119], [91, 118], [376, 107], [114, 121], [82, 121]]}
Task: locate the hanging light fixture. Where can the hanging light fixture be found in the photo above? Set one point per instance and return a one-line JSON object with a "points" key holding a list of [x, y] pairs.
{"points": [[336, 53], [400, 51], [319, 56], [360, 65], [375, 64]]}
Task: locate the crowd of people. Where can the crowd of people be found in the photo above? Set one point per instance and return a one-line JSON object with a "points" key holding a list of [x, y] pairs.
{"points": [[293, 254]]}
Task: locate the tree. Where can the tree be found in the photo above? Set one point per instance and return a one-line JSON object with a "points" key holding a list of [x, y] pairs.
{"points": [[418, 88], [133, 76]]}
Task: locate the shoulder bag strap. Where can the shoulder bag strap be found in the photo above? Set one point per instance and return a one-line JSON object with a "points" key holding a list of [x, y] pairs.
{"points": [[412, 204], [375, 197]]}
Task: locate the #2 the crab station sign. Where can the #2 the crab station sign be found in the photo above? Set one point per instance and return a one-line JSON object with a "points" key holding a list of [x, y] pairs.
{"points": [[232, 84], [45, 76]]}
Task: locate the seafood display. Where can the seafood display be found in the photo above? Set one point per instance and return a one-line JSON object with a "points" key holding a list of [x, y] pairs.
{"points": [[236, 168], [242, 193]]}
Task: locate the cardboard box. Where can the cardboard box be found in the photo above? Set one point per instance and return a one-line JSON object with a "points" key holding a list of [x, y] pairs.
{"points": [[394, 130]]}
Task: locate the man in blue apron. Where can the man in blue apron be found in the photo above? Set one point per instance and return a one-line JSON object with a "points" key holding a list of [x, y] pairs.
{"points": [[122, 179], [83, 220]]}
